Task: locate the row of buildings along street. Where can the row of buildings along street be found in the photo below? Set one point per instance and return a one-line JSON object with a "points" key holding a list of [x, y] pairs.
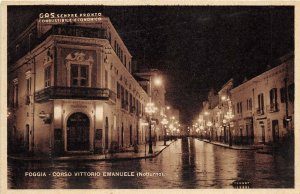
{"points": [[259, 111]]}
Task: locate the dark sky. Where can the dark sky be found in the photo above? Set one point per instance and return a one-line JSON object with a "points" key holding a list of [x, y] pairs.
{"points": [[197, 47]]}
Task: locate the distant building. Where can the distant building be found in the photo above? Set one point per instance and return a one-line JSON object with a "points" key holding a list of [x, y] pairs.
{"points": [[70, 89], [156, 91]]}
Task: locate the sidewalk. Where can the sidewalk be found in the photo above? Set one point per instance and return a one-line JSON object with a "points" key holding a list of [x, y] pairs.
{"points": [[235, 147], [127, 155]]}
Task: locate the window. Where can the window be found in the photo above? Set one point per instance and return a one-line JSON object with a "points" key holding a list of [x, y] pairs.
{"points": [[291, 90], [273, 99], [47, 76], [122, 94], [125, 62], [126, 97], [106, 79], [250, 104], [28, 86], [79, 75], [273, 96], [130, 100], [109, 37], [260, 98], [241, 107], [15, 94], [282, 95], [118, 90]]}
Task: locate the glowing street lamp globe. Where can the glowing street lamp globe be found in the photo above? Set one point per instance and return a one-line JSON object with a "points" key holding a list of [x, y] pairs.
{"points": [[209, 124], [164, 121], [150, 108]]}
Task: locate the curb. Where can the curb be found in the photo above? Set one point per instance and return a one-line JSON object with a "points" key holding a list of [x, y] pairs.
{"points": [[229, 147], [71, 159]]}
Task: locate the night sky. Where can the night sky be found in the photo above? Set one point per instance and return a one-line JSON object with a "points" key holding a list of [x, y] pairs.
{"points": [[198, 48]]}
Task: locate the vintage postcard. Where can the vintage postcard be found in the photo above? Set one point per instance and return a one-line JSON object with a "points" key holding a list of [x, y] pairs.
{"points": [[149, 97]]}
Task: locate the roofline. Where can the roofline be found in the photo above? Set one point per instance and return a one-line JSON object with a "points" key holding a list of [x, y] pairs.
{"points": [[262, 74]]}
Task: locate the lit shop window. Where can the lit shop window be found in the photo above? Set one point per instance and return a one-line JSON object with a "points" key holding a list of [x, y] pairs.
{"points": [[79, 75], [47, 76]]}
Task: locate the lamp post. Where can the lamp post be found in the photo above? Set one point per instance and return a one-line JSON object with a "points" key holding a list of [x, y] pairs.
{"points": [[150, 109], [164, 122], [209, 124], [228, 117]]}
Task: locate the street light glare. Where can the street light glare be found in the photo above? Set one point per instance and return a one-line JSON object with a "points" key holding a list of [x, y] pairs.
{"points": [[157, 81]]}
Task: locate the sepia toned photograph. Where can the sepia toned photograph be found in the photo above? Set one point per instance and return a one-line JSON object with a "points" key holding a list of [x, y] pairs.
{"points": [[150, 97]]}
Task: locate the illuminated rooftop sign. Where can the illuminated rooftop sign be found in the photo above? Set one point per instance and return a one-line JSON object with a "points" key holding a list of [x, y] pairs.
{"points": [[55, 18]]}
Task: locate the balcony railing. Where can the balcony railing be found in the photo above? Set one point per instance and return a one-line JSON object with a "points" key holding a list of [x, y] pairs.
{"points": [[259, 111], [124, 105], [132, 109], [273, 107], [57, 92], [77, 31]]}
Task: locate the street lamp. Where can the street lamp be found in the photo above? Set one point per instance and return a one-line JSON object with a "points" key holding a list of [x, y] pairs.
{"points": [[229, 116], [209, 124], [164, 122], [150, 109]]}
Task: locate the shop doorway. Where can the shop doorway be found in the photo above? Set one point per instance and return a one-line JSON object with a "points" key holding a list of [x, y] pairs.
{"points": [[78, 131]]}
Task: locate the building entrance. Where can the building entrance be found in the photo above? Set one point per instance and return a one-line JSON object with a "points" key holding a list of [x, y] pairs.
{"points": [[78, 127]]}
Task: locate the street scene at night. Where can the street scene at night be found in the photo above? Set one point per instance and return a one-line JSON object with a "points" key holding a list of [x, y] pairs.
{"points": [[150, 97]]}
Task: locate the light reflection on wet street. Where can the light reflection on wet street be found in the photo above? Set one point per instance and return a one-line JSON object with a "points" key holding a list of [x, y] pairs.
{"points": [[187, 163]]}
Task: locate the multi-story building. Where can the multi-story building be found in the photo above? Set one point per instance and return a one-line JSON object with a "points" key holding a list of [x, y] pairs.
{"points": [[71, 89], [264, 105], [152, 82], [208, 116], [260, 110], [225, 111]]}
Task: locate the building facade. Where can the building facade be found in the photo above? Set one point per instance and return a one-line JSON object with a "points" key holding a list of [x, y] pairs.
{"points": [[71, 89], [152, 82], [264, 105], [258, 111]]}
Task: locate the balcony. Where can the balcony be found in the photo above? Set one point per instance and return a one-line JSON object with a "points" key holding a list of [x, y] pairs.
{"points": [[259, 111], [124, 105], [81, 93], [273, 107], [132, 109], [77, 31]]}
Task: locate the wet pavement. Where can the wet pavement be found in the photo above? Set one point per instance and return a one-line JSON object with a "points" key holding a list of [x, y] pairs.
{"points": [[187, 163]]}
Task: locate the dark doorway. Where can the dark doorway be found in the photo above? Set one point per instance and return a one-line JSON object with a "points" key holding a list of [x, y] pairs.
{"points": [[122, 135], [130, 132], [275, 131], [106, 133], [26, 140], [263, 134], [78, 130], [137, 135]]}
